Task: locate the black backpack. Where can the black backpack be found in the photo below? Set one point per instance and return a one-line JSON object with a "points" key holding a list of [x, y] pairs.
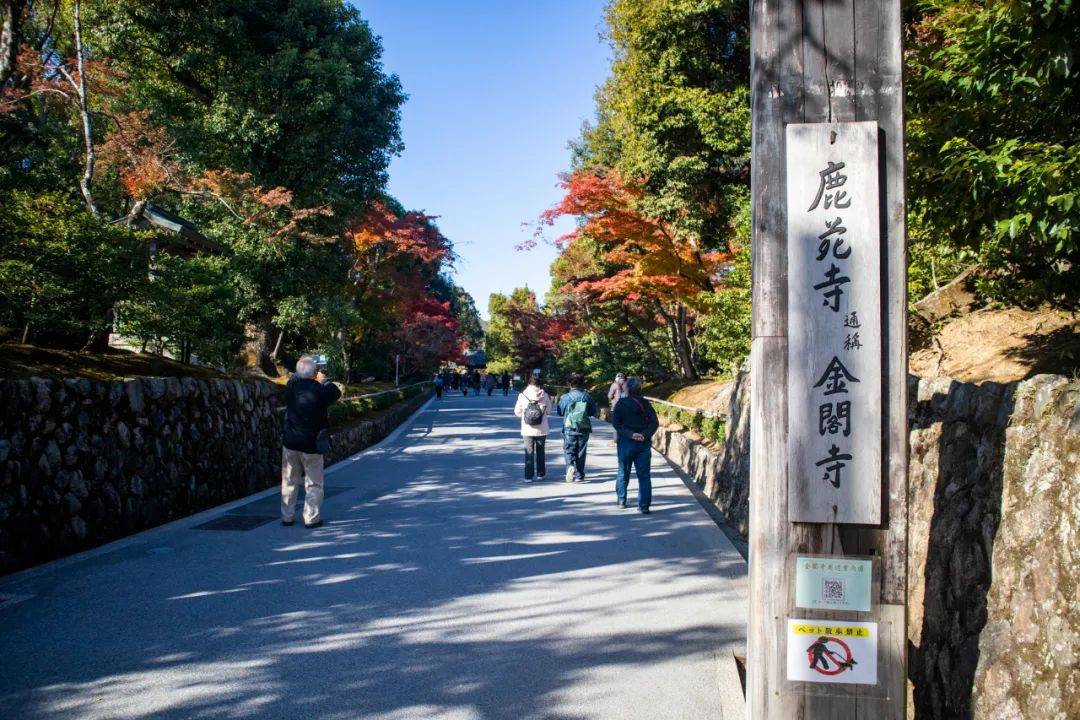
{"points": [[533, 414]]}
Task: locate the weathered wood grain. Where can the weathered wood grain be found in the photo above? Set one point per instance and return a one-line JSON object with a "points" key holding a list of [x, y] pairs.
{"points": [[823, 330], [794, 44]]}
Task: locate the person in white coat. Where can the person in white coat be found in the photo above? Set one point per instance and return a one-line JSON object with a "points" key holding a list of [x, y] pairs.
{"points": [[534, 407]]}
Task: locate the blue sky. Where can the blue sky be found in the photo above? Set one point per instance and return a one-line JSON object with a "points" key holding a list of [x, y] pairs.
{"points": [[497, 88]]}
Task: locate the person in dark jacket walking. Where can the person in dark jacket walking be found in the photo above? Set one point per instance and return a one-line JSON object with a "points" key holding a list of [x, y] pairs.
{"points": [[635, 423], [307, 396], [576, 407]]}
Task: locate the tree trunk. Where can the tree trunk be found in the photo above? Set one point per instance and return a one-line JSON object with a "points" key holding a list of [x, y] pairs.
{"points": [[680, 345], [658, 363], [277, 345], [135, 214], [98, 340], [25, 333], [11, 12], [84, 115], [686, 347], [346, 360], [257, 348]]}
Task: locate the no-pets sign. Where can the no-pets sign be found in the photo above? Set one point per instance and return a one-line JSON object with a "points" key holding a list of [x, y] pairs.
{"points": [[832, 652]]}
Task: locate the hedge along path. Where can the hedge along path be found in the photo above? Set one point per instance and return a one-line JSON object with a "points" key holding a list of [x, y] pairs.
{"points": [[356, 407]]}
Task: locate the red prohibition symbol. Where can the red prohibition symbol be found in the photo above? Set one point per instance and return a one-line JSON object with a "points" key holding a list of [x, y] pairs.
{"points": [[824, 660]]}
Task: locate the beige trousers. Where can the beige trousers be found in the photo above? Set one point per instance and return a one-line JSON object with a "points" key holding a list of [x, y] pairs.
{"points": [[292, 462]]}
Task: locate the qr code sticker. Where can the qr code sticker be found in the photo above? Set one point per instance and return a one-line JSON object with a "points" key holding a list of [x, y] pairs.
{"points": [[832, 590]]}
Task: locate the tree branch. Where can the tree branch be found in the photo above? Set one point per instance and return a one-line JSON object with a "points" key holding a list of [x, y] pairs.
{"points": [[215, 196], [84, 114]]}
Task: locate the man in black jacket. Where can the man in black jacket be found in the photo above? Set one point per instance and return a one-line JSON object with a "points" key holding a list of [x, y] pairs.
{"points": [[635, 423], [307, 396]]}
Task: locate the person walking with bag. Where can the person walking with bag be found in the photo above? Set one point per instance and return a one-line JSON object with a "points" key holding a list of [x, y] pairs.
{"points": [[533, 406], [305, 440], [615, 393], [635, 422], [576, 407]]}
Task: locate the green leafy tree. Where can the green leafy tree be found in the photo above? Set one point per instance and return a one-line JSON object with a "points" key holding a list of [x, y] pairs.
{"points": [[993, 157], [187, 306], [61, 271], [676, 110], [292, 92], [674, 117], [499, 339], [725, 317]]}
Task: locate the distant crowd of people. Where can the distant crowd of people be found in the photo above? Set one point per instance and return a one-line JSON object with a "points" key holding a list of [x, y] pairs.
{"points": [[448, 381]]}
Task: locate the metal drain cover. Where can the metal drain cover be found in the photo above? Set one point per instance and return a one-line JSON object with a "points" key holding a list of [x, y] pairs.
{"points": [[236, 522]]}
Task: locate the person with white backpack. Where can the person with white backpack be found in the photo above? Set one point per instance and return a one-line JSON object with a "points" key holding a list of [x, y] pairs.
{"points": [[534, 407], [576, 407]]}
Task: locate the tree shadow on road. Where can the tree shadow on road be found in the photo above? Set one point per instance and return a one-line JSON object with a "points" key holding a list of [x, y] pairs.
{"points": [[437, 589]]}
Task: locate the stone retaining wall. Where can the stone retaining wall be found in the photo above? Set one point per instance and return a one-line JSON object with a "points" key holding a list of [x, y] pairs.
{"points": [[353, 438], [84, 462], [722, 471], [994, 557], [994, 497]]}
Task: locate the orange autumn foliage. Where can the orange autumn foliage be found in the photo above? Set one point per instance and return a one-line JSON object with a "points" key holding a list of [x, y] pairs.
{"points": [[48, 74], [392, 252], [647, 258], [143, 156]]}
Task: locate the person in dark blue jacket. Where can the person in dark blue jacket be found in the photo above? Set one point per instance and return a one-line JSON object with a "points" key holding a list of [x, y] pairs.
{"points": [[635, 423], [576, 407], [307, 396]]}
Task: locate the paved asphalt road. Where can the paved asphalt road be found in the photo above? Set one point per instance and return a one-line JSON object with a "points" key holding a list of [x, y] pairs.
{"points": [[441, 586]]}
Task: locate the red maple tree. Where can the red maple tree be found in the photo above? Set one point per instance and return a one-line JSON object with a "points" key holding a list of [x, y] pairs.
{"points": [[538, 334], [428, 335], [395, 253], [645, 263]]}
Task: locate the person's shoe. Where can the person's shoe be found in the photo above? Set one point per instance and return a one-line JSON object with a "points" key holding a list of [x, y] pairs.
{"points": [[540, 478], [643, 510], [622, 504], [288, 523], [312, 526], [570, 474], [528, 481]]}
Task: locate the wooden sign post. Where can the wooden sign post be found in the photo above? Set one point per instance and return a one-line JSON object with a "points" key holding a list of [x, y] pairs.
{"points": [[829, 362]]}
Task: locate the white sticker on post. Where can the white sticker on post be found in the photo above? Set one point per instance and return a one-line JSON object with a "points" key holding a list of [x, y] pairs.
{"points": [[832, 651]]}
